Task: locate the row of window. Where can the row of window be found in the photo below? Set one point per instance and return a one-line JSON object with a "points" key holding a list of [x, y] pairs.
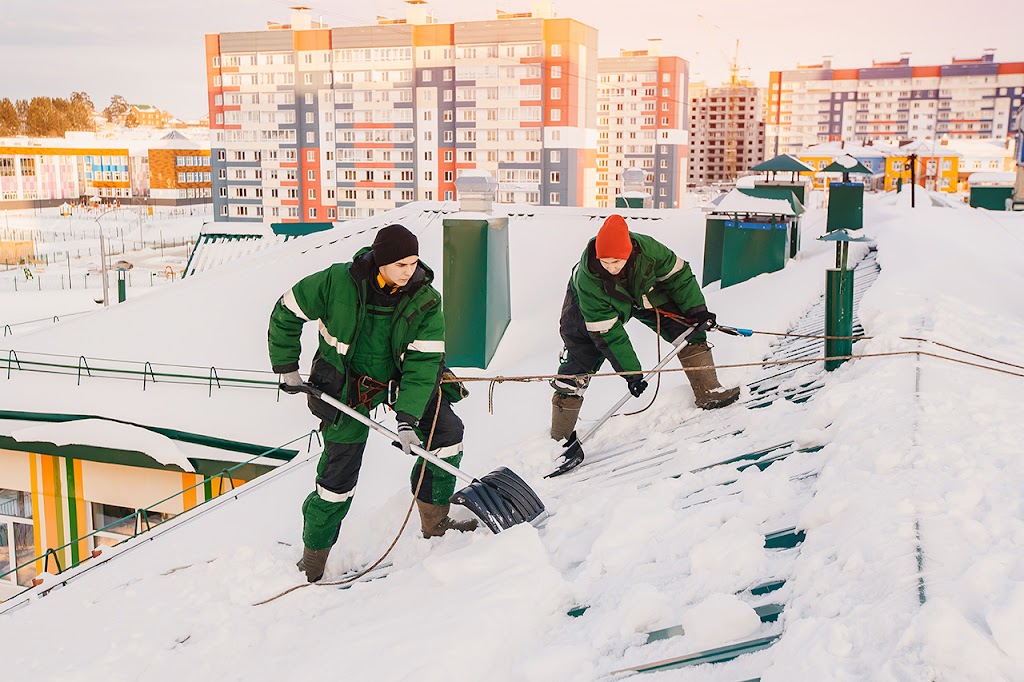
{"points": [[239, 98], [193, 177], [185, 161]]}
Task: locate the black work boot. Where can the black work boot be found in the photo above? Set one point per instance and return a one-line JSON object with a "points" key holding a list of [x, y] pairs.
{"points": [[313, 563], [708, 393], [435, 522]]}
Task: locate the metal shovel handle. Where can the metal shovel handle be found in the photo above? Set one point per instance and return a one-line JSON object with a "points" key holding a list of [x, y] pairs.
{"points": [[676, 347], [337, 404]]}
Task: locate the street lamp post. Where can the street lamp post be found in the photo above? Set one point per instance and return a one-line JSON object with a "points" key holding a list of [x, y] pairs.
{"points": [[103, 258]]}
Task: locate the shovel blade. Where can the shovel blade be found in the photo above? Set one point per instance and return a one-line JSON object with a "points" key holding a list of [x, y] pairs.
{"points": [[501, 499], [572, 457]]}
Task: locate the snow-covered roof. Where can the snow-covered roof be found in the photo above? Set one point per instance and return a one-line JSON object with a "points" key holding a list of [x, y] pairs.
{"points": [[736, 201], [896, 491], [836, 148], [926, 148], [987, 178]]}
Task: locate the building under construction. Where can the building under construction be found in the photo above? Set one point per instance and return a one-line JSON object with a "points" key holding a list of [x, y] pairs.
{"points": [[727, 131]]}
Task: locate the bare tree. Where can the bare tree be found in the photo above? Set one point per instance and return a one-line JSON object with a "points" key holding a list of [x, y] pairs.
{"points": [[117, 108]]}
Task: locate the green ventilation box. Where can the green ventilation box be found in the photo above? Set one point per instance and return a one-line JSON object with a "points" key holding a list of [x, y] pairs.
{"points": [[633, 200], [752, 248], [992, 198], [477, 295], [845, 206], [793, 192], [714, 234], [780, 190]]}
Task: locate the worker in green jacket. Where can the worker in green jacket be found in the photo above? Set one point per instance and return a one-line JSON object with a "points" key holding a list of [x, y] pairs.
{"points": [[623, 275], [381, 339]]}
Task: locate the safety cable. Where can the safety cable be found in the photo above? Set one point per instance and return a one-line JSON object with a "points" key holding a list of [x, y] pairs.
{"points": [[394, 542]]}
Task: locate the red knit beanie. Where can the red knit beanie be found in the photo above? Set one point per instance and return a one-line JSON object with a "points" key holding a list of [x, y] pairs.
{"points": [[613, 238]]}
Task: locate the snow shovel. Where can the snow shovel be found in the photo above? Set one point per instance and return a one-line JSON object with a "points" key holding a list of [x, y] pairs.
{"points": [[501, 499], [573, 455]]}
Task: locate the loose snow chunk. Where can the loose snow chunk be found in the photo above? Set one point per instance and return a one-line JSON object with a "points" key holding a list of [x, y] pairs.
{"points": [[102, 433], [719, 618], [1005, 622]]}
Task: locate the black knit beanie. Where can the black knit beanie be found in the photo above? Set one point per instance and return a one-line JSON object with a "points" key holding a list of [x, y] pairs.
{"points": [[393, 243]]}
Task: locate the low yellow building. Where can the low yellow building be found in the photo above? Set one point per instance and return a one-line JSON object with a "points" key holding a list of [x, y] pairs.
{"points": [[60, 503], [937, 166]]}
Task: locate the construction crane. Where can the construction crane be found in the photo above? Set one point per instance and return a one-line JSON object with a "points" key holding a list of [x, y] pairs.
{"points": [[733, 118]]}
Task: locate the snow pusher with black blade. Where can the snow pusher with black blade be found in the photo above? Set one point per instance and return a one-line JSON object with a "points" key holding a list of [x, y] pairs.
{"points": [[501, 499], [573, 454]]}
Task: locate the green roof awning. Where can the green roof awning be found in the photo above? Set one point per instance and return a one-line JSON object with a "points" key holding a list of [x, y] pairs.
{"points": [[783, 163], [857, 167]]}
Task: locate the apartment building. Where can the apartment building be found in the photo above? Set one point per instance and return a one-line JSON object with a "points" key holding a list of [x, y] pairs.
{"points": [[966, 99], [318, 124], [727, 131], [642, 123]]}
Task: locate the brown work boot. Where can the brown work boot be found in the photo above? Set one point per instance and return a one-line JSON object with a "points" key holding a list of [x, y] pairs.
{"points": [[435, 522], [565, 410], [313, 563], [709, 394]]}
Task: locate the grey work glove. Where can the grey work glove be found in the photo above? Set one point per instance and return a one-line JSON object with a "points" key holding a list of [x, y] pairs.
{"points": [[406, 432], [292, 379]]}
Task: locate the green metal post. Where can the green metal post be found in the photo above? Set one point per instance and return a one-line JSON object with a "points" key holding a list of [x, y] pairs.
{"points": [[121, 286], [838, 308]]}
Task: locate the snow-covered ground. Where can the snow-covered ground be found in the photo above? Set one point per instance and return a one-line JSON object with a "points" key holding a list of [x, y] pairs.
{"points": [[912, 567]]}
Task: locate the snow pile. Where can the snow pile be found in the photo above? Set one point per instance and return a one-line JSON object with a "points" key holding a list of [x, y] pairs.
{"points": [[102, 433]]}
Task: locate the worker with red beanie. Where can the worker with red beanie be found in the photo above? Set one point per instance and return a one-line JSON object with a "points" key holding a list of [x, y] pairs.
{"points": [[621, 275]]}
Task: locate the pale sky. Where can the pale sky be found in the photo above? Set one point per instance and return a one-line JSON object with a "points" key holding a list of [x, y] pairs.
{"points": [[152, 52]]}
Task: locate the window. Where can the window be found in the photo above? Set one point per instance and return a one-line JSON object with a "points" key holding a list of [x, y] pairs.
{"points": [[553, 198], [556, 176], [448, 176], [311, 156], [556, 71], [556, 93], [556, 114], [309, 96], [448, 155], [555, 156], [556, 50], [312, 213], [307, 78], [311, 175], [310, 117]]}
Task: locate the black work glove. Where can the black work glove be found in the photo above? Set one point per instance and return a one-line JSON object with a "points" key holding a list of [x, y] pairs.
{"points": [[637, 385], [699, 314], [407, 432]]}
